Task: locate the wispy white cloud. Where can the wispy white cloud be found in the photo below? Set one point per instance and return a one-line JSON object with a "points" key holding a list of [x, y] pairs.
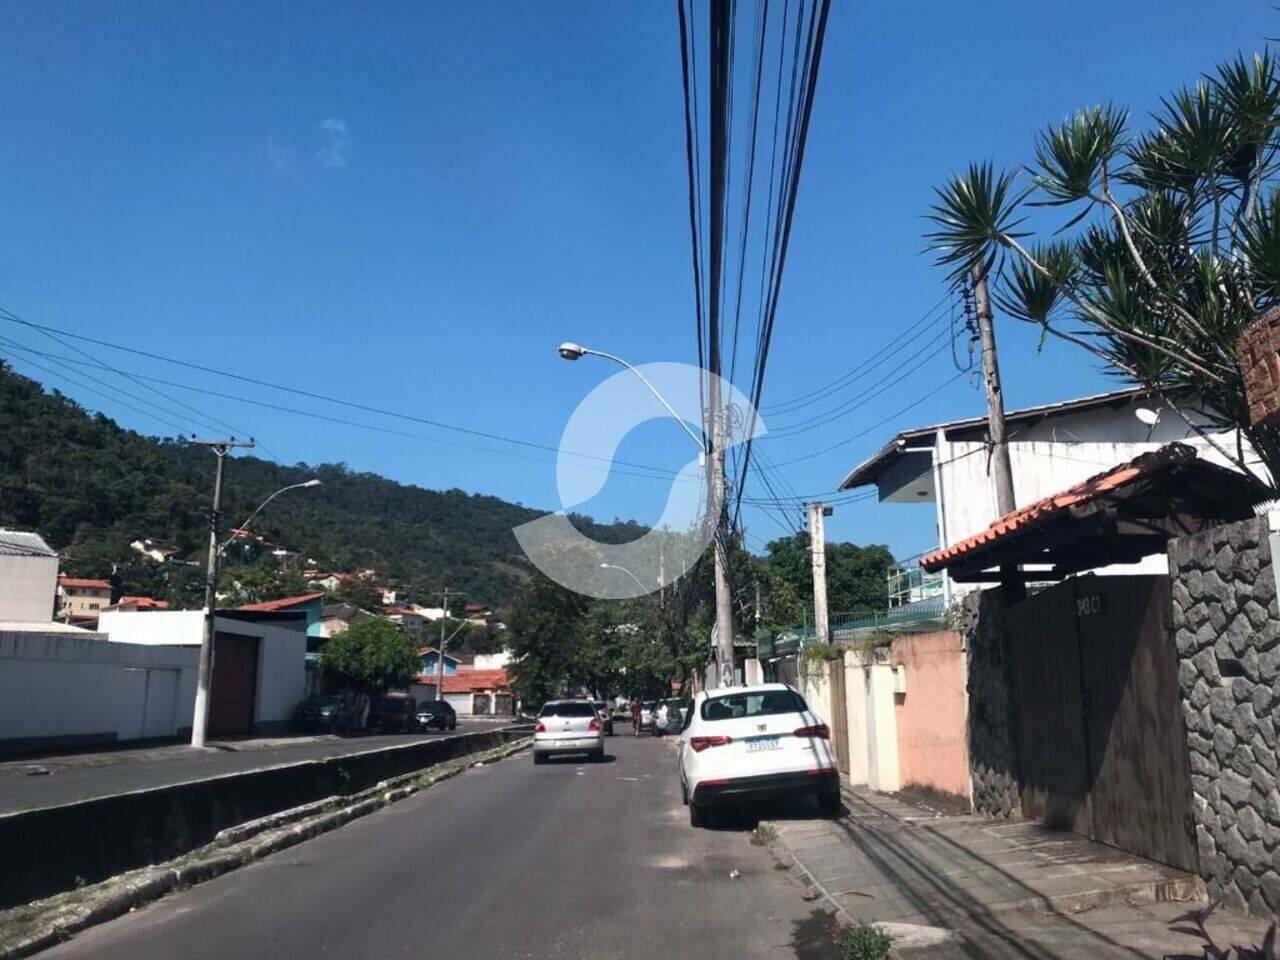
{"points": [[337, 152]]}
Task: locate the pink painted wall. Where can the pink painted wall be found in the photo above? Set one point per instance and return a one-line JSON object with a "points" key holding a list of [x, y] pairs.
{"points": [[931, 714]]}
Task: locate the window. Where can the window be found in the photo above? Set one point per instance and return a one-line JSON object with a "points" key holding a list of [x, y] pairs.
{"points": [[762, 703], [571, 708]]}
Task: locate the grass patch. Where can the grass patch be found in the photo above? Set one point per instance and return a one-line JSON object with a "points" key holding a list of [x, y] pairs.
{"points": [[765, 834], [866, 941]]}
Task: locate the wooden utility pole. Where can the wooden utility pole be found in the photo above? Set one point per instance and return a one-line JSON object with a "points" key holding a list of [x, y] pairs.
{"points": [[204, 674], [818, 553], [1001, 470]]}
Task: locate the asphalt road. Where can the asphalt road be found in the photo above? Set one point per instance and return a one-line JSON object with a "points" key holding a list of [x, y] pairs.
{"points": [[103, 775], [510, 860]]}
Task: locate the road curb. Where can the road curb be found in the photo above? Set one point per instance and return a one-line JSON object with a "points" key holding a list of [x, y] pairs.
{"points": [[37, 926], [905, 936]]}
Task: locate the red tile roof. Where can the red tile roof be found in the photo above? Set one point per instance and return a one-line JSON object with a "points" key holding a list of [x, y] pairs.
{"points": [[1041, 511], [283, 604], [81, 582], [470, 681], [143, 603]]}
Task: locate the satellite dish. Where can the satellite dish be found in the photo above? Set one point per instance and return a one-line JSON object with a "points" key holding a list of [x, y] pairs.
{"points": [[1147, 415]]}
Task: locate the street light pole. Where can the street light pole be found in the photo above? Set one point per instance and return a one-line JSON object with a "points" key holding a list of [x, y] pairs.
{"points": [[714, 452], [244, 527], [614, 566], [200, 719]]}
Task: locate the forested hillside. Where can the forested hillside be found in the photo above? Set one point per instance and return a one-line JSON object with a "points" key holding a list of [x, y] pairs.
{"points": [[91, 487]]}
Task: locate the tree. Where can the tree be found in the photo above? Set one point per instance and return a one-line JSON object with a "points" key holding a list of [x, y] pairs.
{"points": [[544, 639], [370, 656], [1172, 247], [856, 575], [360, 592], [258, 582]]}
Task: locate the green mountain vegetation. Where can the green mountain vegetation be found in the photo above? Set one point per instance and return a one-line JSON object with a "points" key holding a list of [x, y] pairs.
{"points": [[91, 487]]}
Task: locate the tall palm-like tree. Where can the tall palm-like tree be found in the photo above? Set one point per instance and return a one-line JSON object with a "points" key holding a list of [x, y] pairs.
{"points": [[1171, 245]]}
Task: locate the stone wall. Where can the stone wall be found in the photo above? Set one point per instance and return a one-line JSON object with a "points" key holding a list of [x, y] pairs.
{"points": [[993, 756], [1227, 630]]}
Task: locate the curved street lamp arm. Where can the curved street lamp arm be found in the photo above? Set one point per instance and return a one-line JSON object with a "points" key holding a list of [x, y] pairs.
{"points": [[654, 390], [249, 519]]}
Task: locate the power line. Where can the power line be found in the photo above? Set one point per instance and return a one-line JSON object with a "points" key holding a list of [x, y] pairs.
{"points": [[350, 404], [879, 423], [912, 332]]}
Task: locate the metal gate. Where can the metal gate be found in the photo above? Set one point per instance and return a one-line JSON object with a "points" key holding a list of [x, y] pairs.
{"points": [[234, 685], [1101, 743], [839, 713]]}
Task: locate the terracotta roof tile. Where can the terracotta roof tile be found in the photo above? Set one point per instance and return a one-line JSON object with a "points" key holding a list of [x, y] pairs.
{"points": [[282, 604], [1043, 510]]}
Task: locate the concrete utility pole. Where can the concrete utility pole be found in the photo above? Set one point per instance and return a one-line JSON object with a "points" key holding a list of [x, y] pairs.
{"points": [[443, 640], [757, 606], [1002, 471], [724, 601], [818, 553], [200, 720]]}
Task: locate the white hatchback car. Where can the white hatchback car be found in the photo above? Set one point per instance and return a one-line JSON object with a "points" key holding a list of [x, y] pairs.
{"points": [[568, 726], [752, 742]]}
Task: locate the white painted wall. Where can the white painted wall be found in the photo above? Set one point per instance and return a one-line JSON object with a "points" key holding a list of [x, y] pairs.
{"points": [[282, 672], [491, 661], [855, 703], [60, 684], [282, 650], [27, 588], [881, 727]]}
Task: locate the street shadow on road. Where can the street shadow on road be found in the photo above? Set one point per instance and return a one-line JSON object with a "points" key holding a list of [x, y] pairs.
{"points": [[815, 937], [572, 761], [745, 816]]}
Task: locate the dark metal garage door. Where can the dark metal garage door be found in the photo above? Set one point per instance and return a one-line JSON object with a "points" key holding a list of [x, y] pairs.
{"points": [[235, 681], [1101, 742]]}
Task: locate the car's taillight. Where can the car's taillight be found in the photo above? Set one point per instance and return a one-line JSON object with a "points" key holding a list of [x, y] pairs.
{"points": [[702, 743], [593, 725], [821, 731], [540, 728]]}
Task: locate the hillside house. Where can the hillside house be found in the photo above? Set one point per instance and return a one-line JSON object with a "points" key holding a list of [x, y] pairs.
{"points": [[82, 598]]}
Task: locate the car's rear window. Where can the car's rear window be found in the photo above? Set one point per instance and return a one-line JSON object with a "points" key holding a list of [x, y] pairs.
{"points": [[761, 703], [574, 709]]}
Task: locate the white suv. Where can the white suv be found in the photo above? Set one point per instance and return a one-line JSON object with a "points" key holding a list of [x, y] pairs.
{"points": [[568, 726], [757, 741]]}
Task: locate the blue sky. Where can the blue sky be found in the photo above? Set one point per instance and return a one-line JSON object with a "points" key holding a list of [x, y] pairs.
{"points": [[410, 205]]}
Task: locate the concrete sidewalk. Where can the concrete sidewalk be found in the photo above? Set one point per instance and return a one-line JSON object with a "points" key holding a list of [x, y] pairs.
{"points": [[1003, 889]]}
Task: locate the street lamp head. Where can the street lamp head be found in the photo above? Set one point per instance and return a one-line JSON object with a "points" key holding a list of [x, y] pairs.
{"points": [[572, 351], [313, 482]]}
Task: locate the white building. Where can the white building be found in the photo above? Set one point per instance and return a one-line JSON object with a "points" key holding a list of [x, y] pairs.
{"points": [[28, 577], [63, 687], [1051, 447], [259, 672]]}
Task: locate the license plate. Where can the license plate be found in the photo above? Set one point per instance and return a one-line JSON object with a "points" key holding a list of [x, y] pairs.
{"points": [[763, 743]]}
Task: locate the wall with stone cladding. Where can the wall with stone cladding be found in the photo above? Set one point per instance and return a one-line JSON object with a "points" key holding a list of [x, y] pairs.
{"points": [[1227, 630], [993, 756]]}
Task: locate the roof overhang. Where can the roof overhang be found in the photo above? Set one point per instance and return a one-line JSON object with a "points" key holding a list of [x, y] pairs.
{"points": [[1119, 516], [871, 469]]}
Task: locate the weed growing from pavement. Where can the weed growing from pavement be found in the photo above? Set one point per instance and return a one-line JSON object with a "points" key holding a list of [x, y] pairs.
{"points": [[866, 941], [765, 835]]}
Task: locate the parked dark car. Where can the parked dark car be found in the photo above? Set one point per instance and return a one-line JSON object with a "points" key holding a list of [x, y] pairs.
{"points": [[438, 714], [325, 711], [395, 712]]}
